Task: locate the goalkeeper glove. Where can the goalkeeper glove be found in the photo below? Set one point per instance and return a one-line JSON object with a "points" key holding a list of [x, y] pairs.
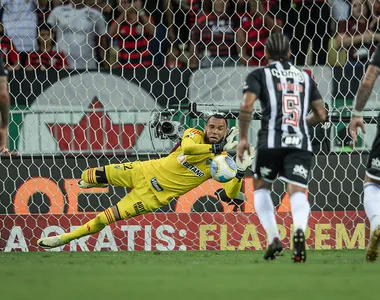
{"points": [[242, 166], [228, 143]]}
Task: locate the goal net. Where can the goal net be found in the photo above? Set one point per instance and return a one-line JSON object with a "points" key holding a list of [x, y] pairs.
{"points": [[89, 80]]}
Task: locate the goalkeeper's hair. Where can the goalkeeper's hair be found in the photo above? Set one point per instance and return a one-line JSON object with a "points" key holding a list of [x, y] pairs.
{"points": [[277, 47], [217, 116]]}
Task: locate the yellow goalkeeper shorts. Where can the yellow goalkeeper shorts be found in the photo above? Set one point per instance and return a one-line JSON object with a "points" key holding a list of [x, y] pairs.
{"points": [[141, 199]]}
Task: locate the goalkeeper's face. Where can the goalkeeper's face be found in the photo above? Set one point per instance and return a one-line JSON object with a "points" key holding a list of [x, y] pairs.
{"points": [[215, 130]]}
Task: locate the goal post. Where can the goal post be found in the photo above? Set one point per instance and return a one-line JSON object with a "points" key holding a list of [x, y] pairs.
{"points": [[64, 120]]}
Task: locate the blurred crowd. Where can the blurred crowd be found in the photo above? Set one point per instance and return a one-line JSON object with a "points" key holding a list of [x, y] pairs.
{"points": [[93, 34]]}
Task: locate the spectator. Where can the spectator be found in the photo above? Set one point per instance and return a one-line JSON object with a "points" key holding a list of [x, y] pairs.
{"points": [[44, 7], [20, 22], [165, 14], [310, 23], [340, 10], [80, 30], [374, 6], [256, 26], [46, 57], [355, 34], [102, 6], [193, 12], [213, 37], [8, 51], [133, 29], [173, 58]]}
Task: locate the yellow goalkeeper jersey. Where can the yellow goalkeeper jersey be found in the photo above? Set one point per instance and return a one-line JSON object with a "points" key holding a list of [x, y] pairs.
{"points": [[187, 167]]}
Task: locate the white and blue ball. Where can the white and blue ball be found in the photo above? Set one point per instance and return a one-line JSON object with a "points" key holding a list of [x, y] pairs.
{"points": [[223, 168]]}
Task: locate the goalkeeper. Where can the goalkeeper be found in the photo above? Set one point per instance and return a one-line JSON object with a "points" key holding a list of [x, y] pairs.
{"points": [[156, 182]]}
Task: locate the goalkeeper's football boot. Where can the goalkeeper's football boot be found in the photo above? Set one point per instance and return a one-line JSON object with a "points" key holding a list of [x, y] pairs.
{"points": [[299, 246], [274, 250], [50, 242], [373, 249], [85, 185]]}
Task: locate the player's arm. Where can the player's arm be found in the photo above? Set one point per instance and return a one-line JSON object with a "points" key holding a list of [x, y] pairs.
{"points": [[365, 89], [366, 86], [192, 143], [245, 115], [317, 105], [251, 92], [318, 113]]}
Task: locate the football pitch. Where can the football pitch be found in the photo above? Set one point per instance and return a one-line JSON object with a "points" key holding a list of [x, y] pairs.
{"points": [[196, 275]]}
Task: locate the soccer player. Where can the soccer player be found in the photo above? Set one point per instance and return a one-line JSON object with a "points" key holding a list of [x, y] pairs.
{"points": [[156, 182], [372, 177], [284, 148], [4, 108]]}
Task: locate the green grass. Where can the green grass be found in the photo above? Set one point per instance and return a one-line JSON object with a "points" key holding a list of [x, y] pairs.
{"points": [[186, 275]]}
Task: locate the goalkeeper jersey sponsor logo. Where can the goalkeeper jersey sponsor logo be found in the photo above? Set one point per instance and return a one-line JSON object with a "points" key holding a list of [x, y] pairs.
{"points": [[182, 160], [139, 208], [156, 185]]}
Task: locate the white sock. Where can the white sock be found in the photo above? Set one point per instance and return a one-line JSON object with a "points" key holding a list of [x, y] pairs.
{"points": [[300, 210], [265, 211], [372, 203]]}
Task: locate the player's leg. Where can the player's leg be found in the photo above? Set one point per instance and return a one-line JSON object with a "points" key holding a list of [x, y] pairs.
{"points": [[297, 166], [95, 225], [93, 177], [265, 169], [139, 201], [115, 174], [372, 199]]}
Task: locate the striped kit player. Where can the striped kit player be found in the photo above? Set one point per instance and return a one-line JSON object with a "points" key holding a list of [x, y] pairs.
{"points": [[284, 150]]}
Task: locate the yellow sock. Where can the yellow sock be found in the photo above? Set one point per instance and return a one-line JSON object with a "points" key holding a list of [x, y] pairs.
{"points": [[93, 226], [89, 175]]}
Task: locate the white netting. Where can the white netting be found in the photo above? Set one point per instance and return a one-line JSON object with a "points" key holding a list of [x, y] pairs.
{"points": [[86, 77]]}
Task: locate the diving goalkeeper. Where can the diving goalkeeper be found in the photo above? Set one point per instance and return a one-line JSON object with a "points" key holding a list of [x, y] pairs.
{"points": [[156, 182]]}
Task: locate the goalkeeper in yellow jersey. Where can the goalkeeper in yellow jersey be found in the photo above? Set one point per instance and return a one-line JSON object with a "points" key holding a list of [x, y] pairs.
{"points": [[156, 182]]}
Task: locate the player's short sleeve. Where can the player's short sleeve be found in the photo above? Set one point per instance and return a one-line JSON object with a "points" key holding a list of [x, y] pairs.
{"points": [[252, 83], [314, 92], [375, 59], [194, 134]]}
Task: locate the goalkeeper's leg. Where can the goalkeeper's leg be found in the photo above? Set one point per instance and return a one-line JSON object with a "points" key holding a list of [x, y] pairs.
{"points": [[93, 177], [139, 201], [95, 225]]}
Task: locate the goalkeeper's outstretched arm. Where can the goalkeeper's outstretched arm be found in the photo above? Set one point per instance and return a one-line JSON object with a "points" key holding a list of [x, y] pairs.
{"points": [[192, 143], [233, 187]]}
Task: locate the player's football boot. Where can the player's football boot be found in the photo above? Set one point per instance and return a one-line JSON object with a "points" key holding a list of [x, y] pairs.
{"points": [[299, 246], [50, 242], [85, 185], [373, 249], [274, 250]]}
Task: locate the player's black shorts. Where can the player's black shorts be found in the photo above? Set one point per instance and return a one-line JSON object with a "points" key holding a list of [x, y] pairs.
{"points": [[373, 163], [3, 71], [290, 165]]}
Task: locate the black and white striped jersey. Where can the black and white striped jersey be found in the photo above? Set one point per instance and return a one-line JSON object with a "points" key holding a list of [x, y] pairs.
{"points": [[285, 94]]}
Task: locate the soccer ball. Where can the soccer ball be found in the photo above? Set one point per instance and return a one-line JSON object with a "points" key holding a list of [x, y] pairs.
{"points": [[223, 168]]}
